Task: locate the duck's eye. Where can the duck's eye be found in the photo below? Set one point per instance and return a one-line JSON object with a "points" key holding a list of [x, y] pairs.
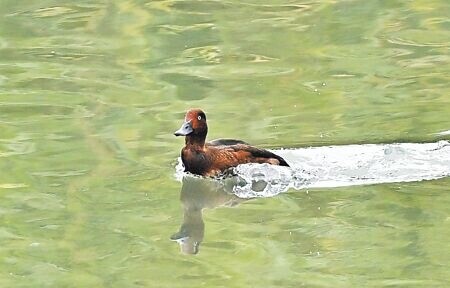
{"points": [[199, 117]]}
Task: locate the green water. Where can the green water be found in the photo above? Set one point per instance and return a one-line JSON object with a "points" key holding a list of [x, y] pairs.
{"points": [[91, 92]]}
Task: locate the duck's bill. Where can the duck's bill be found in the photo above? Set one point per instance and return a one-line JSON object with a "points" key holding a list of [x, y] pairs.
{"points": [[185, 129]]}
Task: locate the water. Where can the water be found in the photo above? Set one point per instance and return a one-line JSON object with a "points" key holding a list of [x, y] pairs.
{"points": [[91, 92]]}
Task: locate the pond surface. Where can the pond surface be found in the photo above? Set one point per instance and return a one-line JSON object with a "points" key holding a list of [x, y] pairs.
{"points": [[91, 92]]}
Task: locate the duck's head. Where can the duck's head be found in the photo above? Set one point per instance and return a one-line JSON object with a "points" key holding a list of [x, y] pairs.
{"points": [[194, 124]]}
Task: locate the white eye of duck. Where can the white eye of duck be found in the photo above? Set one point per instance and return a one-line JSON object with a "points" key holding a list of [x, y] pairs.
{"points": [[199, 117]]}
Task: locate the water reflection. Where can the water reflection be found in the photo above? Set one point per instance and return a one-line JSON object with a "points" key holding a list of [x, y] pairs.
{"points": [[197, 194]]}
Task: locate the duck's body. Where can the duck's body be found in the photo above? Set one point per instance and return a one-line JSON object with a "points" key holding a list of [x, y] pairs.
{"points": [[216, 157]]}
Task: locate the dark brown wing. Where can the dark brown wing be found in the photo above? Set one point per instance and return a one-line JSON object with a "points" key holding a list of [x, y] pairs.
{"points": [[225, 142], [258, 153]]}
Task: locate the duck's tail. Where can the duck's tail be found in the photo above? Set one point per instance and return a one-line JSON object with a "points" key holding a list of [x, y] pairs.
{"points": [[282, 161]]}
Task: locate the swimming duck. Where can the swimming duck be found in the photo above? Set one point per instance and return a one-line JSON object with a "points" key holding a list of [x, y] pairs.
{"points": [[216, 157]]}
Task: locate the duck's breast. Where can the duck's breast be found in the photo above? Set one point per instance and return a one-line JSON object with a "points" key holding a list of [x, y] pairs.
{"points": [[195, 162]]}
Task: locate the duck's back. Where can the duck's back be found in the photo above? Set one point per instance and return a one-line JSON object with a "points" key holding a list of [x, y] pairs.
{"points": [[250, 154], [225, 142]]}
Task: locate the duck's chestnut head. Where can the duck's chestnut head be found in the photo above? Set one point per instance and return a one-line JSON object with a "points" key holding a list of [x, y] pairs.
{"points": [[194, 124]]}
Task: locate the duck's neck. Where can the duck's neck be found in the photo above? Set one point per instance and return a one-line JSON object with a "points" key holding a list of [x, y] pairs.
{"points": [[197, 141]]}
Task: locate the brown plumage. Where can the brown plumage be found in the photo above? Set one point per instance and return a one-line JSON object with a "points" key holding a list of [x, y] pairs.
{"points": [[217, 156]]}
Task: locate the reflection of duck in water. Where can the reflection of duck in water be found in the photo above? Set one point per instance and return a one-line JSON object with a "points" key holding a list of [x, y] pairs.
{"points": [[197, 194], [216, 157]]}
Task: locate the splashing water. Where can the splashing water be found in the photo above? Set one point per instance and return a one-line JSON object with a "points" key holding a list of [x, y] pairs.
{"points": [[346, 165]]}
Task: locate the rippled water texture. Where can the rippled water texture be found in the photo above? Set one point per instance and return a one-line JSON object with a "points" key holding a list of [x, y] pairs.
{"points": [[350, 92]]}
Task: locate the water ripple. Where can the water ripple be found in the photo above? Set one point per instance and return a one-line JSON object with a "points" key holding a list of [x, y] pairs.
{"points": [[66, 173], [12, 185], [175, 29], [427, 61], [19, 145], [405, 42]]}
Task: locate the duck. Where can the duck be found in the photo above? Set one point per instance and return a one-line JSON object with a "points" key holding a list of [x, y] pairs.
{"points": [[216, 157]]}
